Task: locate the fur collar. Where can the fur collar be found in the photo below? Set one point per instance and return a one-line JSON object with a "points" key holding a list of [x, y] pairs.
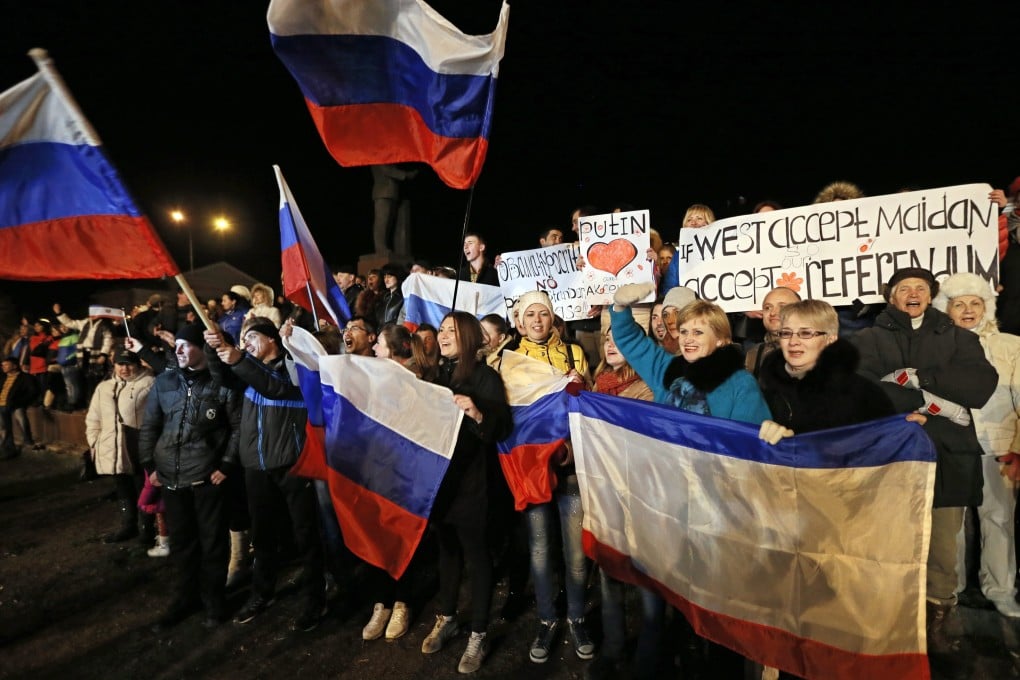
{"points": [[706, 373], [838, 359]]}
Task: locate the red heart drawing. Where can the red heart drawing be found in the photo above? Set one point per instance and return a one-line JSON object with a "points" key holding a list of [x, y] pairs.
{"points": [[612, 257]]}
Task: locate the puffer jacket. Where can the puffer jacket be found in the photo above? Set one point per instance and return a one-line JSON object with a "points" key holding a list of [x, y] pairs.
{"points": [[554, 351], [273, 414], [998, 422], [191, 428], [111, 424], [950, 364]]}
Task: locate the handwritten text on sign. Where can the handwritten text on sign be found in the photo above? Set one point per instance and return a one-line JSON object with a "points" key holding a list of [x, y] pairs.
{"points": [[844, 250], [614, 247], [553, 270]]}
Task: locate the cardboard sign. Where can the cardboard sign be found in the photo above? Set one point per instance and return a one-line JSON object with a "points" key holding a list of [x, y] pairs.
{"points": [[614, 248], [553, 270], [844, 250]]}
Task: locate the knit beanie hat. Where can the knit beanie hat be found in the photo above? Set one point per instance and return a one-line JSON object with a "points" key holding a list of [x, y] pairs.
{"points": [[191, 333], [534, 297], [679, 297], [267, 329]]}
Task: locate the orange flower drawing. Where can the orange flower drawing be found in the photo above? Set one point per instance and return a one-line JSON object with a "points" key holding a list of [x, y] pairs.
{"points": [[790, 280]]}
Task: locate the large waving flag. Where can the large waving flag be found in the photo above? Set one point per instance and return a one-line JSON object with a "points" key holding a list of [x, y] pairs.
{"points": [[307, 280], [538, 400], [427, 299], [306, 352], [64, 212], [385, 464], [390, 81], [809, 556]]}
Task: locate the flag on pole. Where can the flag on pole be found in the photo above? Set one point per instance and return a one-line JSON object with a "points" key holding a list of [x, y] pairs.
{"points": [[307, 280], [809, 556], [101, 312], [538, 400], [385, 464], [306, 352], [392, 81], [64, 212], [427, 299]]}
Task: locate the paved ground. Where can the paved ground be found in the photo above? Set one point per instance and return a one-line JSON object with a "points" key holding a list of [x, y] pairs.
{"points": [[71, 606]]}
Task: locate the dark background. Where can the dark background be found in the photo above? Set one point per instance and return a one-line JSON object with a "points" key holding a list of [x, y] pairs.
{"points": [[650, 103]]}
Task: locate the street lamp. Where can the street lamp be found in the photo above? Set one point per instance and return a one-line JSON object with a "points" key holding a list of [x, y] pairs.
{"points": [[180, 218], [221, 225]]}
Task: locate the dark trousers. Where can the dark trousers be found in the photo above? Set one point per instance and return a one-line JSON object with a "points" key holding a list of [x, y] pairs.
{"points": [[457, 544], [199, 543], [276, 500], [7, 417]]}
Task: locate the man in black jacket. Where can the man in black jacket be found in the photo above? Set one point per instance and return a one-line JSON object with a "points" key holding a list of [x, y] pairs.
{"points": [[188, 446], [925, 363], [273, 419]]}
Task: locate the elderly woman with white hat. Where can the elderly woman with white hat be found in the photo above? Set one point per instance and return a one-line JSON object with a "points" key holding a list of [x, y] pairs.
{"points": [[969, 301]]}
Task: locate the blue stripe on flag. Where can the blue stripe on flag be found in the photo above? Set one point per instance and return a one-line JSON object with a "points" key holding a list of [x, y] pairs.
{"points": [[879, 442], [541, 422], [35, 177], [341, 70], [379, 459]]}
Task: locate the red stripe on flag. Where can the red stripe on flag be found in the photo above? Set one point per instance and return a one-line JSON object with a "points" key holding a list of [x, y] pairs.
{"points": [[528, 473], [312, 461], [771, 646], [374, 528], [84, 247], [400, 136]]}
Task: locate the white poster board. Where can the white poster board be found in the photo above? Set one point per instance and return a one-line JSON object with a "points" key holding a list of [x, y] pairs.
{"points": [[844, 250], [552, 270], [614, 248]]}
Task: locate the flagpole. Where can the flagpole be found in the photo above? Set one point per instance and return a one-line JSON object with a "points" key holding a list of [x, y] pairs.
{"points": [[45, 65], [311, 303], [463, 233]]}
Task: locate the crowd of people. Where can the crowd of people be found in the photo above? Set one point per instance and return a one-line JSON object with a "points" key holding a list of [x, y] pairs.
{"points": [[201, 427]]}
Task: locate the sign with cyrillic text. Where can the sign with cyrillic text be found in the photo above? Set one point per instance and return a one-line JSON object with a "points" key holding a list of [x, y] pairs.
{"points": [[552, 270]]}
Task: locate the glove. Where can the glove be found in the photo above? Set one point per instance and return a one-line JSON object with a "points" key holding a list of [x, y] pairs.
{"points": [[937, 406], [772, 432], [1010, 466], [629, 293], [904, 377]]}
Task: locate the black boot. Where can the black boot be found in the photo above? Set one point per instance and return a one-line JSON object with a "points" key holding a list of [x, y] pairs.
{"points": [[146, 528], [939, 640], [128, 524]]}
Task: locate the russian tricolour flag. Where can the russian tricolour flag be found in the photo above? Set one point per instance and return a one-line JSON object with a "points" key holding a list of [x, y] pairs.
{"points": [[307, 280], [389, 81], [538, 400], [427, 299], [64, 212], [306, 352], [808, 556], [385, 464]]}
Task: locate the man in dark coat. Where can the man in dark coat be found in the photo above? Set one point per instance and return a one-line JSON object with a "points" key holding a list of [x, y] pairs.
{"points": [[188, 445], [925, 363], [273, 419], [17, 392]]}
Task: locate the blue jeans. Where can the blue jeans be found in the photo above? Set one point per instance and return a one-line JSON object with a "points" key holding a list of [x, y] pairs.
{"points": [[73, 385], [332, 539], [566, 503], [614, 632]]}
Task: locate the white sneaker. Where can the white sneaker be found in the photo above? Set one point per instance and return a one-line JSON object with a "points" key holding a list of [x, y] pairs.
{"points": [[377, 624], [1008, 608], [161, 549], [474, 655], [446, 628], [398, 621]]}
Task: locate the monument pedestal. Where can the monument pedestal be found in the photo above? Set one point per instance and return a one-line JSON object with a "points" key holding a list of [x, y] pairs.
{"points": [[370, 261]]}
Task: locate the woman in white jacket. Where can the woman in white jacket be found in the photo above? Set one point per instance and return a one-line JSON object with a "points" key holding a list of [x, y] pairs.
{"points": [[970, 303], [111, 430]]}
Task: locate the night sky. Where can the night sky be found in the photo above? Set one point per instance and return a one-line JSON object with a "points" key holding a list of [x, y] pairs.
{"points": [[650, 103]]}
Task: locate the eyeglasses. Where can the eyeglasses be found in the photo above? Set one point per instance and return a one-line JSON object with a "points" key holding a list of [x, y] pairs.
{"points": [[351, 329], [803, 334]]}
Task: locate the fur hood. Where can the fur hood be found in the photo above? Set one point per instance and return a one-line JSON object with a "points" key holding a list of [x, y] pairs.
{"points": [[265, 289], [709, 372]]}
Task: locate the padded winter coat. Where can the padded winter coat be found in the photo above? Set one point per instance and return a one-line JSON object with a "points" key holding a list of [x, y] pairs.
{"points": [[113, 420]]}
